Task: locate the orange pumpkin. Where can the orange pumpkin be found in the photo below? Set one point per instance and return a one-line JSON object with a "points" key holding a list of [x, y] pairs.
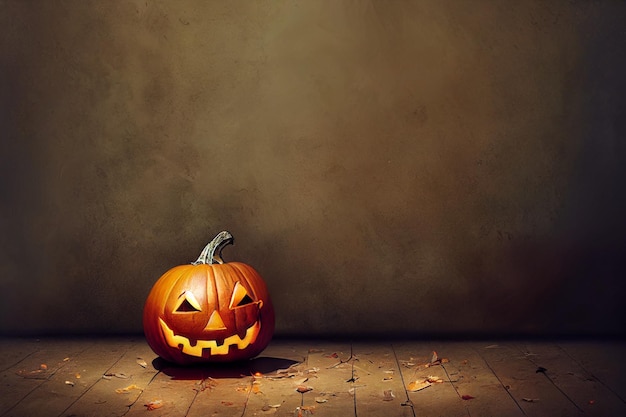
{"points": [[209, 311]]}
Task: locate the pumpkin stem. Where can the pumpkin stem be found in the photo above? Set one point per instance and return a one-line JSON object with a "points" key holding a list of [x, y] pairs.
{"points": [[212, 252]]}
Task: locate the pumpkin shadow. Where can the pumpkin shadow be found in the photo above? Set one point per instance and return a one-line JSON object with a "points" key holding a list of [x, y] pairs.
{"points": [[263, 365]]}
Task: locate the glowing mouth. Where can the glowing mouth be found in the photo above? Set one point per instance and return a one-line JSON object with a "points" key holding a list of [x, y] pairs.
{"points": [[180, 341]]}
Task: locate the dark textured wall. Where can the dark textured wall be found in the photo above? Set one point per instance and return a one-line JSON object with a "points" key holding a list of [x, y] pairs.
{"points": [[388, 167]]}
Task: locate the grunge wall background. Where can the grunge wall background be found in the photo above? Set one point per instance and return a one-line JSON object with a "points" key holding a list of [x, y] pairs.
{"points": [[389, 167]]}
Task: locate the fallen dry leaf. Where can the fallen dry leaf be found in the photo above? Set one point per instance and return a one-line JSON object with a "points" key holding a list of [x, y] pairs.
{"points": [[388, 395], [227, 403], [142, 363], [154, 404], [530, 400], [127, 389], [208, 383], [70, 383], [434, 379], [43, 366], [110, 375], [418, 385], [467, 397], [34, 374]]}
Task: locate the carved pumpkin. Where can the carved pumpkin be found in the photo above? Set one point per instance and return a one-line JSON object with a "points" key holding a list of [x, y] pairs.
{"points": [[209, 311]]}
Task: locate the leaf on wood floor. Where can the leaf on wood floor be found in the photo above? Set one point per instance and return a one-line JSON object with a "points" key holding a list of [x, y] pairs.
{"points": [[388, 395], [304, 411], [110, 375], [34, 374], [418, 385], [321, 400], [436, 360], [208, 383], [530, 400], [70, 383], [434, 379], [154, 404], [142, 363], [467, 397], [127, 389]]}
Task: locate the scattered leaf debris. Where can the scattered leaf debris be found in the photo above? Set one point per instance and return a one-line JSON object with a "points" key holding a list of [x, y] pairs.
{"points": [[207, 383], [303, 388], [127, 389], [467, 397], [436, 360], [70, 383], [388, 395], [418, 385], [304, 411], [142, 363], [154, 404], [110, 375], [39, 373]]}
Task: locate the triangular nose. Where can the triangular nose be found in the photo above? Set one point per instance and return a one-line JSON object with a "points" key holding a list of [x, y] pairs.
{"points": [[215, 322]]}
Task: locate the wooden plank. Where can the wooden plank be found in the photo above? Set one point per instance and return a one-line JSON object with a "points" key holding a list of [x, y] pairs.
{"points": [[221, 396], [71, 381], [438, 399], [119, 386], [20, 381], [603, 360], [575, 382], [276, 379], [534, 393], [15, 350], [331, 383], [238, 389], [173, 395], [378, 387], [471, 375]]}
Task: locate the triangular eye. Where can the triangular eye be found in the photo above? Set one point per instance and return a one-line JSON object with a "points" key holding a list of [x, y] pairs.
{"points": [[240, 297], [187, 303]]}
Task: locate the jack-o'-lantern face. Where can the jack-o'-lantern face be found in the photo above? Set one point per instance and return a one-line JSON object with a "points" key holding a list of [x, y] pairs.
{"points": [[208, 312]]}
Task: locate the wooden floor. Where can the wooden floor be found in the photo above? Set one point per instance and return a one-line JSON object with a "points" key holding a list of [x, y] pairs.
{"points": [[122, 377]]}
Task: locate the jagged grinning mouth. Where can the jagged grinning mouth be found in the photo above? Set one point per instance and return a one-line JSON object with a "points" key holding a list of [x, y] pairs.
{"points": [[185, 346]]}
